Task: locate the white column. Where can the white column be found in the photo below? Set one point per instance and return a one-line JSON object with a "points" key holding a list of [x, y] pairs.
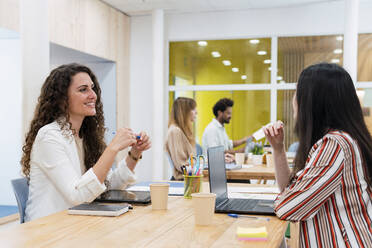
{"points": [[274, 72], [11, 113], [158, 93], [35, 53], [351, 38]]}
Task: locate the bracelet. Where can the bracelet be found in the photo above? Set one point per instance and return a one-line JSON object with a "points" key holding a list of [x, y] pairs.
{"points": [[133, 157]]}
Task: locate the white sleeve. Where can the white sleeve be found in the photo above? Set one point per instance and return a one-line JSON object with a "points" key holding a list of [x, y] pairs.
{"points": [[121, 176], [54, 161]]}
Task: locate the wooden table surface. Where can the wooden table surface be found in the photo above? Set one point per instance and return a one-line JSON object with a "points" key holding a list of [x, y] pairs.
{"points": [[255, 172], [141, 227]]}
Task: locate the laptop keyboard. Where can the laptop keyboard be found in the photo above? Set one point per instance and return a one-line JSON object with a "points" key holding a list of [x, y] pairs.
{"points": [[239, 204]]}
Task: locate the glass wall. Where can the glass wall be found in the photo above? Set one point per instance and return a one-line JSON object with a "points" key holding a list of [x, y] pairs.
{"points": [[251, 110], [241, 70], [220, 62], [364, 58], [297, 53], [285, 114]]}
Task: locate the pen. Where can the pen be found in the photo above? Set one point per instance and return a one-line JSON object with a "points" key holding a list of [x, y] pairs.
{"points": [[137, 136], [246, 216]]}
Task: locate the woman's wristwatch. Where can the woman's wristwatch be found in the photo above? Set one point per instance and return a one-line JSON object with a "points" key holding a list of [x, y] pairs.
{"points": [[133, 157]]}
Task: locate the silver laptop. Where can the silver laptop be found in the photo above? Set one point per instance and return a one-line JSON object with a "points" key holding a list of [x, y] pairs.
{"points": [[218, 185], [229, 166]]}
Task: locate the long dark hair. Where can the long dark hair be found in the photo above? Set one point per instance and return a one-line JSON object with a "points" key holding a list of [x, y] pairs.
{"points": [[53, 105], [327, 100]]}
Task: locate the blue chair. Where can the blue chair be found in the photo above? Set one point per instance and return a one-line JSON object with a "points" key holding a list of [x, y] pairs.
{"points": [[20, 188], [199, 149], [293, 147], [171, 166]]}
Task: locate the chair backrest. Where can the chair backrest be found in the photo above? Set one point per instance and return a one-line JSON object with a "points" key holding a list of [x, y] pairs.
{"points": [[171, 166], [199, 149], [293, 147], [20, 188]]}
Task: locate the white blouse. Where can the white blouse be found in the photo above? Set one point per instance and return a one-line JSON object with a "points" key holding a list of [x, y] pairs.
{"points": [[56, 178]]}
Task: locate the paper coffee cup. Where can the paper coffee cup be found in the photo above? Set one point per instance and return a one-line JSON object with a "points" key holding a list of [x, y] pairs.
{"points": [[269, 160], [159, 196], [239, 158], [203, 204]]}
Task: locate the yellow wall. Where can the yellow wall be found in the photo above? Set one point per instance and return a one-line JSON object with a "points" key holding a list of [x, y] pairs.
{"points": [[194, 65]]}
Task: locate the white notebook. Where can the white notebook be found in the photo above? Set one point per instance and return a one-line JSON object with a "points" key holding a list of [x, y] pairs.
{"points": [[99, 209]]}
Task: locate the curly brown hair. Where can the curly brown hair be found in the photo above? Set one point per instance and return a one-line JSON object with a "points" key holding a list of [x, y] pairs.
{"points": [[53, 106]]}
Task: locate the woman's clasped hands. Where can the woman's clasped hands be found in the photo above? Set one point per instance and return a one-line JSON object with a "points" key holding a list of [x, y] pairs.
{"points": [[125, 137]]}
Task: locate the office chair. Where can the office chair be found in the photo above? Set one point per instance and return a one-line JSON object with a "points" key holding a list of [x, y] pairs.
{"points": [[293, 147], [20, 188], [171, 166], [199, 149]]}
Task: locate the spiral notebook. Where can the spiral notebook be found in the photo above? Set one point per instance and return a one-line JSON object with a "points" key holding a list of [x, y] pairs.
{"points": [[99, 209]]}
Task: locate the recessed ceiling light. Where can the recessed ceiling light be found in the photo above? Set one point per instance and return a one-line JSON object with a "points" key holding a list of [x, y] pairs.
{"points": [[337, 51], [279, 78], [261, 52], [254, 41], [335, 61], [244, 77], [339, 38], [202, 43], [226, 62], [216, 54], [235, 69], [267, 61]]}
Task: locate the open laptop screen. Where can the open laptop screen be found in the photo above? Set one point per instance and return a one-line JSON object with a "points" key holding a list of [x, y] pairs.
{"points": [[217, 173]]}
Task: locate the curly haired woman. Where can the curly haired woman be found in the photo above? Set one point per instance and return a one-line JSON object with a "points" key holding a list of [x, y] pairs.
{"points": [[65, 157]]}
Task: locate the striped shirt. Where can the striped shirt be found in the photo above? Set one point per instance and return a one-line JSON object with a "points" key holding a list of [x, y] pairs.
{"points": [[330, 196]]}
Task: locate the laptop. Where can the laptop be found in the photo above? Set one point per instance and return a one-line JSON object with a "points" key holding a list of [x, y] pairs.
{"points": [[229, 166], [117, 196], [218, 185]]}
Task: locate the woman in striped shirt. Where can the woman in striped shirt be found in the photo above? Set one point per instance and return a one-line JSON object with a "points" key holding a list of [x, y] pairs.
{"points": [[330, 189]]}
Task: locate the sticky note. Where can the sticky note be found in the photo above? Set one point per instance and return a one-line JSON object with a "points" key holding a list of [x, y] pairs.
{"points": [[252, 232], [253, 239]]}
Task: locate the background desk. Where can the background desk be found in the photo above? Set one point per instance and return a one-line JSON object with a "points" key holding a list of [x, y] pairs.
{"points": [[255, 172], [141, 227]]}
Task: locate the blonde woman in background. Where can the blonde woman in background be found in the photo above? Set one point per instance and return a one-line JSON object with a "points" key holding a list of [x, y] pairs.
{"points": [[180, 141]]}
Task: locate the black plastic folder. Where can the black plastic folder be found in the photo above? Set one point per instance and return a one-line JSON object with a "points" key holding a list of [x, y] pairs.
{"points": [[99, 209]]}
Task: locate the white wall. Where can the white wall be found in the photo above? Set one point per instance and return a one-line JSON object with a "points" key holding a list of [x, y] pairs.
{"points": [[11, 115], [324, 18], [141, 117], [35, 53], [315, 19], [106, 76]]}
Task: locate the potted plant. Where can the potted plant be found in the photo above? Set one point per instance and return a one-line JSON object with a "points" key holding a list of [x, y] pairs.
{"points": [[257, 152]]}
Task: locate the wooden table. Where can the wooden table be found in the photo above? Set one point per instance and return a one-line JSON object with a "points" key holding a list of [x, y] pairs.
{"points": [[260, 172], [141, 227]]}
